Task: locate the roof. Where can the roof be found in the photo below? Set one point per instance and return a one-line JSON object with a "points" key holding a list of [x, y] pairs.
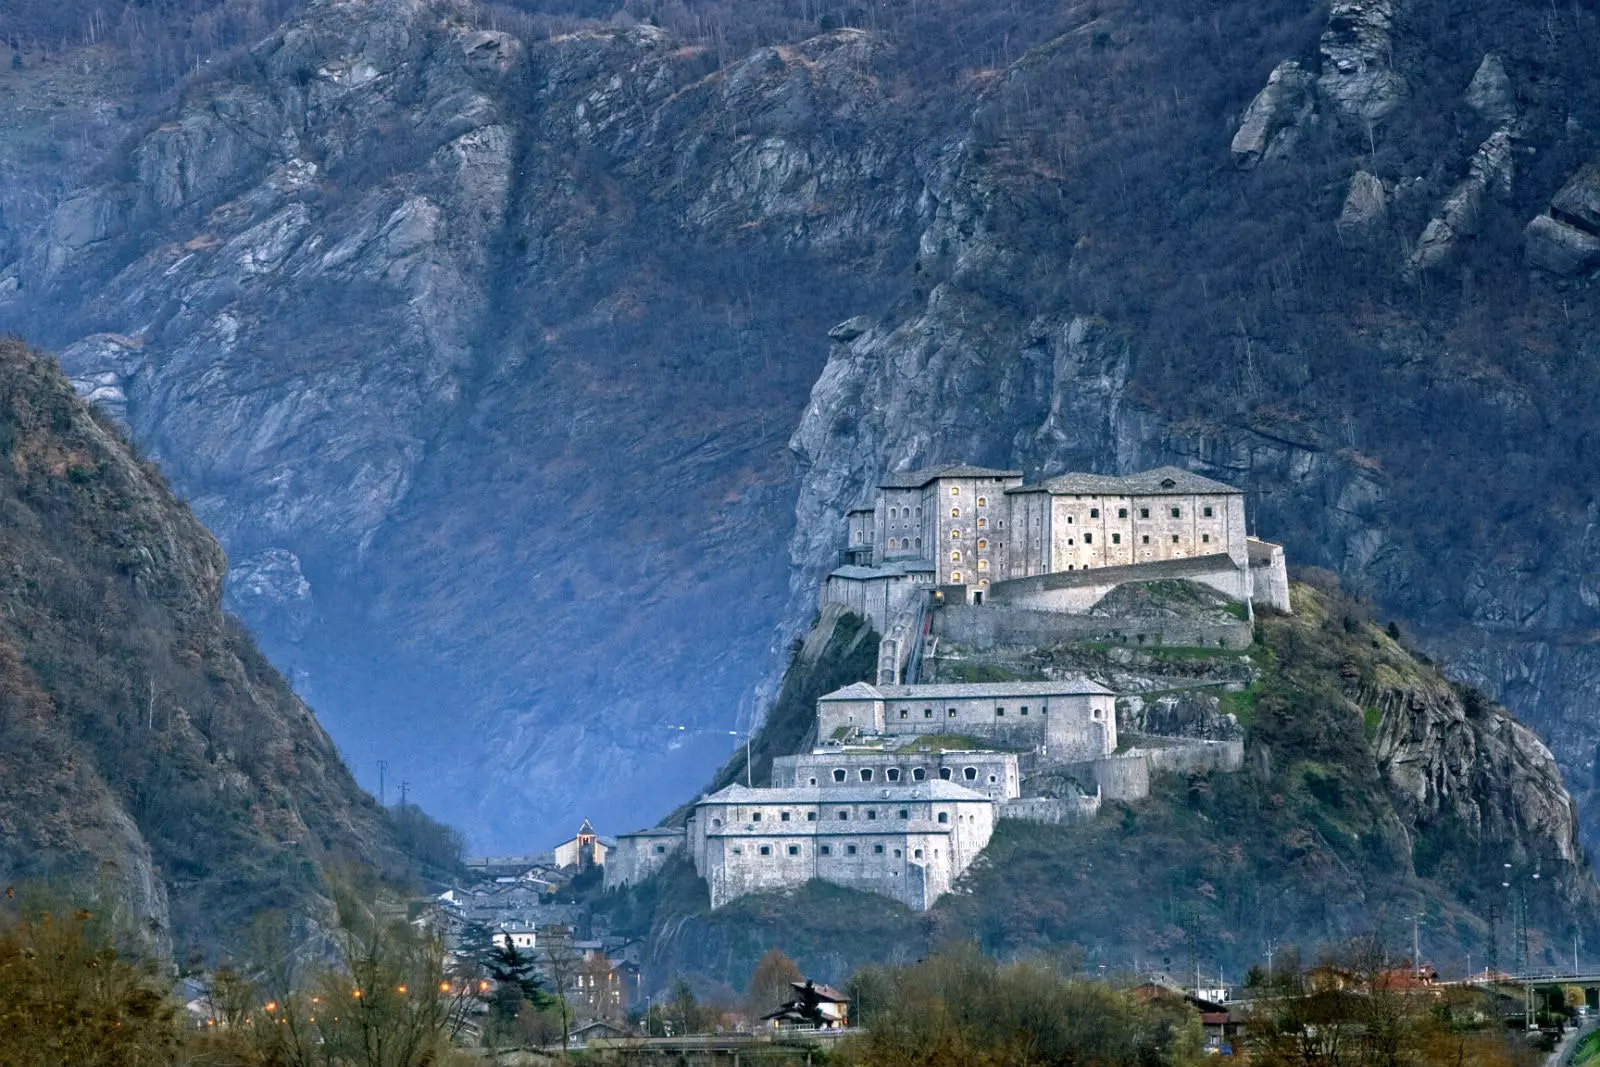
{"points": [[656, 831], [1074, 686], [822, 992], [919, 478], [818, 794], [1162, 481], [864, 509]]}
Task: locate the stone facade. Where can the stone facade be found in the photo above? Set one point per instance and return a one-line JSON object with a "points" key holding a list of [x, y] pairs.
{"points": [[1068, 719], [639, 855], [909, 843], [971, 528], [994, 774]]}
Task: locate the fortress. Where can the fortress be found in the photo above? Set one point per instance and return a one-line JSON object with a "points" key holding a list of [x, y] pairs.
{"points": [[903, 781]]}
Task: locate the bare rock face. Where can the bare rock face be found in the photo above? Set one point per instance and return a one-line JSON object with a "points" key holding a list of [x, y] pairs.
{"points": [[1460, 216], [1277, 117], [1366, 205], [1566, 241], [1490, 93], [1357, 51]]}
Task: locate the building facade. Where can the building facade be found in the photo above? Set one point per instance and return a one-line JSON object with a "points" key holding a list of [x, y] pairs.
{"points": [[906, 842], [994, 774], [1063, 720], [640, 854]]}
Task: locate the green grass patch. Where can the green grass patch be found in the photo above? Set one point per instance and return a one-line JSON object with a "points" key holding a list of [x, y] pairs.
{"points": [[1588, 1051], [982, 672], [1371, 717], [1241, 705], [946, 743]]}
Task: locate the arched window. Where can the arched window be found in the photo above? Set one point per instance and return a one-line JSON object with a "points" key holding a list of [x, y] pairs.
{"points": [[866, 774], [917, 775], [970, 773], [893, 773], [955, 576], [944, 816], [955, 535], [983, 564], [917, 854], [955, 490], [944, 772], [838, 774], [983, 502], [982, 543], [955, 557], [919, 542], [716, 822], [955, 513]]}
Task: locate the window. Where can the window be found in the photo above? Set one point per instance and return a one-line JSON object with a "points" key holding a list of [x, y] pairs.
{"points": [[1146, 539], [927, 713], [919, 513], [970, 774], [1206, 511], [983, 564], [917, 854], [1174, 538], [813, 781], [955, 576], [1088, 539], [1177, 513], [1122, 513], [826, 850], [716, 822], [877, 850], [849, 850], [766, 850], [1116, 539], [1024, 709], [755, 816], [893, 773], [918, 774], [904, 714], [838, 774], [661, 850], [1144, 513], [1205, 538], [872, 814], [983, 502], [784, 817], [944, 772], [950, 713], [737, 851], [944, 816], [1094, 513], [844, 816], [999, 713], [905, 813], [955, 557], [982, 522], [1069, 520], [896, 853], [955, 490], [982, 543], [794, 850], [811, 816], [919, 542], [955, 535], [993, 779], [866, 774], [955, 513], [1099, 713]]}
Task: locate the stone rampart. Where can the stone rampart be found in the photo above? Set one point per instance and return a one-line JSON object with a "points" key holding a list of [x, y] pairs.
{"points": [[1124, 776], [1075, 592], [1059, 811], [985, 627], [1188, 755]]}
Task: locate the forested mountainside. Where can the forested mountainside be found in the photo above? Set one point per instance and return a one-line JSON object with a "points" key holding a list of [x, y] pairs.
{"points": [[145, 745], [1372, 790], [486, 337]]}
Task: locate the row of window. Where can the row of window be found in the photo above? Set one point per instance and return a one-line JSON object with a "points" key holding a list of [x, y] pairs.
{"points": [[1144, 513], [951, 713], [827, 850], [1116, 539], [843, 814], [917, 774]]}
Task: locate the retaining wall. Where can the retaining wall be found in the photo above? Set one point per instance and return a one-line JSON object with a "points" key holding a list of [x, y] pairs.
{"points": [[983, 627], [1060, 811]]}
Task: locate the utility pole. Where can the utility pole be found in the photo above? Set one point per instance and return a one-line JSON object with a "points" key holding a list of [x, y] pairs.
{"points": [[405, 787], [747, 784], [383, 765], [1492, 956], [1272, 947]]}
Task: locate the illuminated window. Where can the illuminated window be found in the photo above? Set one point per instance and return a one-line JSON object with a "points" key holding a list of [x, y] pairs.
{"points": [[955, 535], [982, 543], [982, 521], [955, 557], [955, 513], [904, 714], [983, 564], [955, 490], [950, 713], [955, 576], [927, 713], [983, 581], [983, 502]]}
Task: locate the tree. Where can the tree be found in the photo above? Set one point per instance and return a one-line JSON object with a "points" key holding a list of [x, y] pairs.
{"points": [[770, 983], [561, 963], [683, 1010]]}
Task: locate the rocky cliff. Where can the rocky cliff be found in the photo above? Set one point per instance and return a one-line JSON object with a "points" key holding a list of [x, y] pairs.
{"points": [[145, 745], [478, 341]]}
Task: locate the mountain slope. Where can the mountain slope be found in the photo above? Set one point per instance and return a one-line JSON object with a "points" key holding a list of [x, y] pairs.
{"points": [[145, 740], [478, 338], [1372, 790]]}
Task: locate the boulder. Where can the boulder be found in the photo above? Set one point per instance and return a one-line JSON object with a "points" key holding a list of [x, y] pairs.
{"points": [[1579, 200], [1490, 93], [1366, 205], [1356, 48], [1552, 245], [1276, 118], [1460, 215], [851, 328]]}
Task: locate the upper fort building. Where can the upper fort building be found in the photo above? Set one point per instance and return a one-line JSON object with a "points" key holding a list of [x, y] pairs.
{"points": [[980, 535]]}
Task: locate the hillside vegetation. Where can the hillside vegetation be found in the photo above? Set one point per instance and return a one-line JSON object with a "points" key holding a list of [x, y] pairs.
{"points": [[1372, 789], [145, 745]]}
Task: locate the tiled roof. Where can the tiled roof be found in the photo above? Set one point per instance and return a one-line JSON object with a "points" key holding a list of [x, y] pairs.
{"points": [[817, 794], [919, 478], [1162, 481], [1076, 686]]}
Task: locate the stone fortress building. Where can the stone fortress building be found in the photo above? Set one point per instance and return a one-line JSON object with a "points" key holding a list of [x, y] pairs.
{"points": [[902, 783]]}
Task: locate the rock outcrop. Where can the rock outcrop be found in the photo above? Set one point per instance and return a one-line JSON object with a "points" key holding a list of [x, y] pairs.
{"points": [[1490, 93], [1366, 205], [1357, 49], [1566, 240], [1489, 173], [1277, 117]]}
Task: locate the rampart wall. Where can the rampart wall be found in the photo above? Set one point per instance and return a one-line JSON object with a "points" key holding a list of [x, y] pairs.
{"points": [[982, 627], [1059, 811]]}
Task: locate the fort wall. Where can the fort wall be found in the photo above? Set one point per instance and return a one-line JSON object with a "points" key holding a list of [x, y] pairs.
{"points": [[1058, 811], [639, 855], [984, 627]]}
